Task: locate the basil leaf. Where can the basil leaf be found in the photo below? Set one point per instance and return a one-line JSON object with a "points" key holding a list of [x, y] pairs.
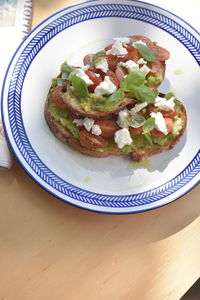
{"points": [[79, 86], [136, 120], [116, 96], [144, 94], [145, 52], [57, 81], [132, 80], [66, 70], [97, 56], [149, 125]]}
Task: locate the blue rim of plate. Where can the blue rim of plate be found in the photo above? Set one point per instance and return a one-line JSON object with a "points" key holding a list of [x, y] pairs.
{"points": [[68, 18]]}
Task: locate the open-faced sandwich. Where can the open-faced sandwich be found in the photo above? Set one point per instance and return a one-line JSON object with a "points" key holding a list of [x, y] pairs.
{"points": [[111, 105]]}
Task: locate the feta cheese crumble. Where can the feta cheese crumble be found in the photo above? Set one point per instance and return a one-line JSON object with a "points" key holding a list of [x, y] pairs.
{"points": [[142, 61], [96, 129], [145, 69], [86, 122], [106, 87], [122, 138], [81, 73], [164, 104], [102, 64], [159, 122], [138, 107], [130, 65], [117, 49], [122, 119]]}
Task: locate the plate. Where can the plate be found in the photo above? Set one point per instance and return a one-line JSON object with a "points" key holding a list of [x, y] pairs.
{"points": [[112, 184]]}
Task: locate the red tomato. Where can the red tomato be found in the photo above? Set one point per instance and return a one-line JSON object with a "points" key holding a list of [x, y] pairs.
{"points": [[133, 53], [135, 38], [155, 67], [168, 113], [169, 124], [137, 131], [96, 80], [57, 98], [108, 47], [151, 108], [97, 71], [160, 53], [112, 61], [108, 127], [90, 140], [88, 60], [120, 72], [113, 78]]}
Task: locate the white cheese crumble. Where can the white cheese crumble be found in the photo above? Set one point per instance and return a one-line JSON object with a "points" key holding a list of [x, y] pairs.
{"points": [[122, 119], [81, 73], [96, 129], [123, 39], [138, 107], [117, 49], [106, 87], [164, 104], [139, 42], [78, 122], [85, 67], [159, 122], [145, 69], [122, 138], [102, 64], [86, 122], [130, 65], [142, 61]]}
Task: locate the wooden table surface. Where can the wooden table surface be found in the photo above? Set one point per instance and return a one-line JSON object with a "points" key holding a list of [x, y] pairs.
{"points": [[50, 250]]}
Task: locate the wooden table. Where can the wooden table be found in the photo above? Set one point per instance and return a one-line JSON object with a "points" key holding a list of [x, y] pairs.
{"points": [[50, 250]]}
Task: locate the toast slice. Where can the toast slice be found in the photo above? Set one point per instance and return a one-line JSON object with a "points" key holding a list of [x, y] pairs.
{"points": [[60, 121]]}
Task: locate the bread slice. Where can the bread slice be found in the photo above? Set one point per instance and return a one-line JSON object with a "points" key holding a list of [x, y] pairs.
{"points": [[64, 135]]}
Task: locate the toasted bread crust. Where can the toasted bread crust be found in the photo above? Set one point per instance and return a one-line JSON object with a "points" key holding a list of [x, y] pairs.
{"points": [[66, 137]]}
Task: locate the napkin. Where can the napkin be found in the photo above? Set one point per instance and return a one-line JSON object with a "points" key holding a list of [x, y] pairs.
{"points": [[15, 18]]}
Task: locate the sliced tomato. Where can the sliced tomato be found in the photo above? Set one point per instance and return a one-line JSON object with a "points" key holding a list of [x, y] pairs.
{"points": [[113, 77], [91, 141], [98, 71], [121, 72], [155, 67], [135, 38], [133, 53], [112, 61], [57, 98], [151, 108], [95, 79], [137, 131], [169, 124], [160, 53], [108, 127], [168, 113], [88, 60]]}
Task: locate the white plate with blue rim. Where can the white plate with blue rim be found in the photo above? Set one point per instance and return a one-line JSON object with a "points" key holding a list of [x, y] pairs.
{"points": [[112, 184]]}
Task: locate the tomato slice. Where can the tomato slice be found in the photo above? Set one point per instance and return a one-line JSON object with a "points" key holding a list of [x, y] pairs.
{"points": [[112, 61], [113, 78], [90, 140], [57, 98], [169, 124], [121, 72], [160, 53], [88, 60], [137, 131], [135, 38], [95, 79], [108, 127], [108, 47], [97, 71], [168, 113], [133, 53], [155, 67]]}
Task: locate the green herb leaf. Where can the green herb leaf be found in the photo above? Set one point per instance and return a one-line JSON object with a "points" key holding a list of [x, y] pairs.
{"points": [[79, 86], [148, 138], [66, 70], [57, 81], [97, 56], [149, 125], [145, 52], [132, 80], [136, 120], [116, 96], [144, 94]]}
